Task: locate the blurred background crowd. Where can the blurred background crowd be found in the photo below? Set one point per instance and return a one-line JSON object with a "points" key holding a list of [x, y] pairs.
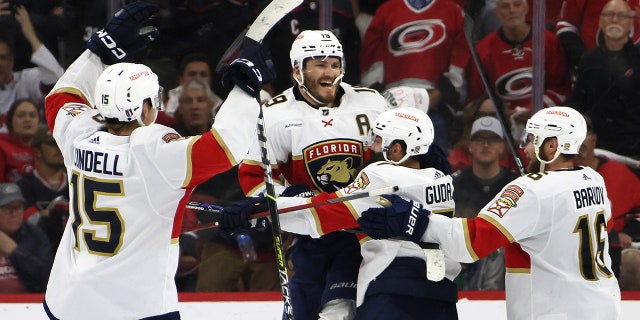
{"points": [[591, 62]]}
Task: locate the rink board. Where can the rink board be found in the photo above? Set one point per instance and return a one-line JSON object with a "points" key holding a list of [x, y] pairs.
{"points": [[268, 306]]}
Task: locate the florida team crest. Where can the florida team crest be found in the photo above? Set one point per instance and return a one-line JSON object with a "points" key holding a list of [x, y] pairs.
{"points": [[508, 199], [332, 164]]}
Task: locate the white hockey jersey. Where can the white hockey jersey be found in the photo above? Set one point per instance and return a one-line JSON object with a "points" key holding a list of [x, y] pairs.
{"points": [[119, 251], [308, 145], [553, 228], [430, 187]]}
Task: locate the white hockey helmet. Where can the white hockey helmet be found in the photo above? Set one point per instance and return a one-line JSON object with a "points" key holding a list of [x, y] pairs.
{"points": [[564, 123], [122, 88], [410, 125], [315, 43]]}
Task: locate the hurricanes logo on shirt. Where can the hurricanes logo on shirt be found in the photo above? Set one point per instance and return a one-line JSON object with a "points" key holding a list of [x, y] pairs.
{"points": [[516, 84], [416, 36], [508, 199], [332, 164]]}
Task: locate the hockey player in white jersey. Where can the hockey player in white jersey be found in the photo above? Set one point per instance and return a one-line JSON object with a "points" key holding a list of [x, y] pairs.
{"points": [[315, 133], [552, 223], [129, 178], [394, 281]]}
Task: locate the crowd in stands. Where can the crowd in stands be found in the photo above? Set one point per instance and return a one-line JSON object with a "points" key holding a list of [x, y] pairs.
{"points": [[592, 63]]}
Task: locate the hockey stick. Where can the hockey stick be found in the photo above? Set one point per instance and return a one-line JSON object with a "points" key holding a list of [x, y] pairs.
{"points": [[497, 103], [275, 11], [216, 210]]}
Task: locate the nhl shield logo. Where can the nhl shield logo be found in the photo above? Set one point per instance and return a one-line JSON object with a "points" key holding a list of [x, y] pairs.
{"points": [[332, 164]]}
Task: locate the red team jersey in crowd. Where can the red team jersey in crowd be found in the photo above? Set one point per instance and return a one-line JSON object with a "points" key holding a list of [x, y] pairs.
{"points": [[553, 229], [428, 186], [119, 252], [415, 45], [508, 69], [319, 147], [16, 158], [623, 187], [582, 17]]}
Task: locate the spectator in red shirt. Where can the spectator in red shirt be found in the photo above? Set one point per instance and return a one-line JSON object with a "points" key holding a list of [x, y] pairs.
{"points": [[17, 156]]}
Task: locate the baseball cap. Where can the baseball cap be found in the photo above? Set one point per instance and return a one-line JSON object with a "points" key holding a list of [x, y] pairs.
{"points": [[487, 124], [42, 136], [9, 192]]}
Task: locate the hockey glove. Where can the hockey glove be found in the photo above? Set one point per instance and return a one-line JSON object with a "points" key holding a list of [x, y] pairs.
{"points": [[124, 36], [297, 190], [250, 70], [235, 217], [401, 219]]}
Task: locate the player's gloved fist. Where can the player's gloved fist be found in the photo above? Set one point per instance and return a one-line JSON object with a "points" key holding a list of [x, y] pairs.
{"points": [[297, 190], [398, 219], [250, 70], [124, 36], [235, 217]]}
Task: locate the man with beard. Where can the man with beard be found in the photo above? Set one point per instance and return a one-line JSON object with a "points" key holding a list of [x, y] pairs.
{"points": [[397, 280], [607, 83], [507, 57], [316, 132], [551, 222]]}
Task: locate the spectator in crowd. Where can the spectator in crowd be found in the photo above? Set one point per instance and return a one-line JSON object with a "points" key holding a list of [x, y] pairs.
{"points": [[195, 114], [194, 66], [89, 17], [190, 248], [607, 82], [244, 262], [51, 19], [25, 251], [33, 83], [459, 156], [579, 29], [196, 108], [473, 188], [206, 26], [419, 44], [17, 156], [630, 270], [507, 57], [307, 17], [47, 181], [623, 188]]}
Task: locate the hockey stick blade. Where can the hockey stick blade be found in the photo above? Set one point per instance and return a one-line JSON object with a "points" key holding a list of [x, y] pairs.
{"points": [[275, 11]]}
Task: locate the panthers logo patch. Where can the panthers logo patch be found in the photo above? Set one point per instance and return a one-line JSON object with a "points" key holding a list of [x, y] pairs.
{"points": [[332, 164], [73, 109]]}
